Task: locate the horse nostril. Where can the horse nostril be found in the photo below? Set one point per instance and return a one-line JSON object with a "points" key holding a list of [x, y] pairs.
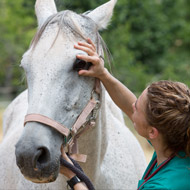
{"points": [[41, 157]]}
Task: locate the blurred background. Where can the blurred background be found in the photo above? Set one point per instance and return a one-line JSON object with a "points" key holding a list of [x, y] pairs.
{"points": [[149, 41]]}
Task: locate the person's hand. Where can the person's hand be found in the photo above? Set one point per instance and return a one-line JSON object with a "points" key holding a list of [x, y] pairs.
{"points": [[63, 170], [97, 69]]}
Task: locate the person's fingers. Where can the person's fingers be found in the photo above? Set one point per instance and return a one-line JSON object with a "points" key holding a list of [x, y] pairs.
{"points": [[63, 152], [92, 59], [87, 45], [85, 49], [90, 42]]}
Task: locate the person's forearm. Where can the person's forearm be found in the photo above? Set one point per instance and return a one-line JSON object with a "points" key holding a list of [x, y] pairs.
{"points": [[119, 93]]}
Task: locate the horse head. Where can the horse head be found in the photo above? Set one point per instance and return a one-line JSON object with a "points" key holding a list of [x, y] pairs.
{"points": [[55, 89]]}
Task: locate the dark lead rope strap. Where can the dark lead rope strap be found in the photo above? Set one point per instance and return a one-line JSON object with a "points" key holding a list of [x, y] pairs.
{"points": [[75, 163], [78, 171]]}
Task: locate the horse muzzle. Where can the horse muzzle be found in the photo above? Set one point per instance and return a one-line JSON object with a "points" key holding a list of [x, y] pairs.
{"points": [[37, 164]]}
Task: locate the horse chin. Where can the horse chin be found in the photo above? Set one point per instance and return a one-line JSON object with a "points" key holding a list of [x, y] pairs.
{"points": [[50, 179], [41, 176]]}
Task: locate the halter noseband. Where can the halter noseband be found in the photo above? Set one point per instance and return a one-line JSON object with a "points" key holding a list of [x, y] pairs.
{"points": [[83, 122]]}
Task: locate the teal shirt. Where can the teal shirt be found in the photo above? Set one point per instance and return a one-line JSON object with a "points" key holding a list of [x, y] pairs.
{"points": [[175, 175]]}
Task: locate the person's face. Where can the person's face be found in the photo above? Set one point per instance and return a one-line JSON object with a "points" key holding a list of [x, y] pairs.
{"points": [[139, 117]]}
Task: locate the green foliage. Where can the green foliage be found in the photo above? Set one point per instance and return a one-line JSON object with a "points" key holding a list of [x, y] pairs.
{"points": [[18, 25], [149, 39]]}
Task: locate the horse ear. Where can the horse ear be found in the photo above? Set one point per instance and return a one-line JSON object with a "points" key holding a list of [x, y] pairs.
{"points": [[44, 9], [103, 14]]}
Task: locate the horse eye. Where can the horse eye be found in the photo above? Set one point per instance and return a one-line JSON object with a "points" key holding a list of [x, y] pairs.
{"points": [[81, 65]]}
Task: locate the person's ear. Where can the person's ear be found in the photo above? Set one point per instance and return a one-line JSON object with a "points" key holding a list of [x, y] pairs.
{"points": [[153, 133]]}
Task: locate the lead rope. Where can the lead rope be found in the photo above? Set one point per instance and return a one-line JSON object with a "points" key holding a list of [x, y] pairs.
{"points": [[78, 171]]}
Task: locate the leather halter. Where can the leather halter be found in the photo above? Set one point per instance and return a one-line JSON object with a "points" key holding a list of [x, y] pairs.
{"points": [[83, 122]]}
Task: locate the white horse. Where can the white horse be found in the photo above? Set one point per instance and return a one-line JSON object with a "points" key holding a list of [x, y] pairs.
{"points": [[115, 158]]}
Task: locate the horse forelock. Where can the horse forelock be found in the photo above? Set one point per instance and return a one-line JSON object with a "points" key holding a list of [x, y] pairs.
{"points": [[66, 21]]}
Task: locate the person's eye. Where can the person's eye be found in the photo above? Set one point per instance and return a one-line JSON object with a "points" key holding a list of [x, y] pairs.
{"points": [[80, 64]]}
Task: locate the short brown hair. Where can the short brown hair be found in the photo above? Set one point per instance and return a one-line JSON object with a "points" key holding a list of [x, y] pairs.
{"points": [[168, 110]]}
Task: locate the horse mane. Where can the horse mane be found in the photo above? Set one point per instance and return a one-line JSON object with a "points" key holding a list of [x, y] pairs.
{"points": [[61, 19]]}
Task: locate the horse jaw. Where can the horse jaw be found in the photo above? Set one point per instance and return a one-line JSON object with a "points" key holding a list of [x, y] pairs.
{"points": [[102, 15], [44, 9]]}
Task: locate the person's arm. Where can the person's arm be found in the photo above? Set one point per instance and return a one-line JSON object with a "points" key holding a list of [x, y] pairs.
{"points": [[69, 174], [120, 94]]}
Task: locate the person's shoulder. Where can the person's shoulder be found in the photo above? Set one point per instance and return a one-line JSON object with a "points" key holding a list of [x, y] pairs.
{"points": [[178, 167], [180, 162]]}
